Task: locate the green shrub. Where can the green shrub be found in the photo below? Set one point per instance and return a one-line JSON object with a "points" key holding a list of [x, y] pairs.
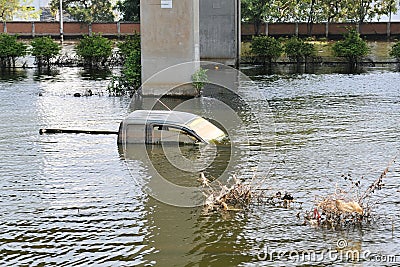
{"points": [[130, 78], [199, 79], [267, 48], [353, 48], [296, 49], [10, 50], [129, 45], [95, 50], [395, 51], [44, 49], [131, 71]]}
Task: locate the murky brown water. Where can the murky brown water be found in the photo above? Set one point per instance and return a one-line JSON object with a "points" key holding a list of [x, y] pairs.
{"points": [[70, 200]]}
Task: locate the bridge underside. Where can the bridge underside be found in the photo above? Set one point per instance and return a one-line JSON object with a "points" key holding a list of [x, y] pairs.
{"points": [[179, 31]]}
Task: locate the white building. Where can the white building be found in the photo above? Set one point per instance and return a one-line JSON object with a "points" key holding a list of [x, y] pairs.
{"points": [[36, 6]]}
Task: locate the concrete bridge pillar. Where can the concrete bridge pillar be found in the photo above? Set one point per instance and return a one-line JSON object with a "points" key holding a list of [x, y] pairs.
{"points": [[220, 31], [169, 36], [181, 31]]}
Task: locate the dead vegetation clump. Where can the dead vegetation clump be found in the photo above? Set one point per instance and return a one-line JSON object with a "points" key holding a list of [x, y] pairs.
{"points": [[337, 210], [278, 199], [236, 195], [222, 197], [346, 207]]}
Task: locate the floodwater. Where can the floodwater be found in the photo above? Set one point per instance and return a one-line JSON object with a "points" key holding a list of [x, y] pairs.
{"points": [[71, 200]]}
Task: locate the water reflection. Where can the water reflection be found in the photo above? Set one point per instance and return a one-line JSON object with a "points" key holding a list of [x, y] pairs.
{"points": [[12, 74], [95, 74], [49, 74], [188, 237], [206, 239], [317, 68], [72, 200], [226, 246]]}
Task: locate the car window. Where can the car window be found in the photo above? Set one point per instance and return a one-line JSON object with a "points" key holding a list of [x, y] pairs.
{"points": [[165, 134]]}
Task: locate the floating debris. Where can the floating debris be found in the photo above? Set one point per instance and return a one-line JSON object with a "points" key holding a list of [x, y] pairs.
{"points": [[236, 196], [343, 208], [346, 207], [232, 198], [337, 210], [277, 199]]}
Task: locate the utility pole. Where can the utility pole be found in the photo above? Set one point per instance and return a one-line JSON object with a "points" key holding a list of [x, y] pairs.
{"points": [[61, 23]]}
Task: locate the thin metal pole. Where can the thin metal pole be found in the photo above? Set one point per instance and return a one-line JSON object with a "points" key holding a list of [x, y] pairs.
{"points": [[390, 20], [60, 131], [61, 23]]}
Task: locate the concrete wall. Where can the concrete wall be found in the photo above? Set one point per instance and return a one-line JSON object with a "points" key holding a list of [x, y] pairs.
{"points": [[71, 29], [331, 30], [74, 29], [219, 31], [169, 36], [51, 28]]}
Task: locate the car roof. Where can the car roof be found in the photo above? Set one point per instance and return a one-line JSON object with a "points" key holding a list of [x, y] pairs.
{"points": [[160, 116]]}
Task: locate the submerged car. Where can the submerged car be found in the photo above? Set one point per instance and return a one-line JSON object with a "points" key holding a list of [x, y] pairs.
{"points": [[159, 126]]}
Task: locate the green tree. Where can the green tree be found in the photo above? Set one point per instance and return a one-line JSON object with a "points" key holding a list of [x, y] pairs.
{"points": [[313, 11], [333, 10], [87, 11], [266, 48], [44, 49], [345, 10], [353, 48], [359, 10], [316, 11], [395, 51], [131, 72], [94, 50], [259, 11], [387, 7], [130, 44], [254, 11], [297, 49], [365, 10], [10, 50], [283, 10], [20, 8], [130, 10], [130, 78]]}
